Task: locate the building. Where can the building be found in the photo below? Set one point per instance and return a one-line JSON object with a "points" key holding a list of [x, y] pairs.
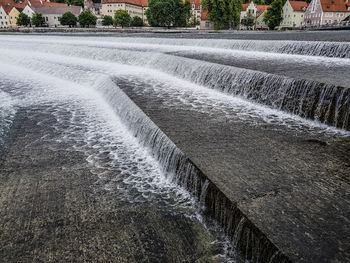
{"points": [[94, 8], [196, 9], [256, 11], [326, 12], [205, 22], [248, 9], [12, 9], [52, 14], [4, 19], [260, 14], [293, 14], [133, 7], [13, 16]]}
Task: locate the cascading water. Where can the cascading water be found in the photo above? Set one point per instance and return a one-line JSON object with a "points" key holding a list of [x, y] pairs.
{"points": [[137, 63], [324, 102]]}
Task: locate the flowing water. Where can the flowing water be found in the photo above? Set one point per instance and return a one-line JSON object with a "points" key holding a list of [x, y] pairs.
{"points": [[297, 86]]}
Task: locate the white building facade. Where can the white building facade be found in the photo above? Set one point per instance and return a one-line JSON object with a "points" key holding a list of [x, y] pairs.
{"points": [[133, 7], [293, 14], [52, 15], [326, 12], [4, 19]]}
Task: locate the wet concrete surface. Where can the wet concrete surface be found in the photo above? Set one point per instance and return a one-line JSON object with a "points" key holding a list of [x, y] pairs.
{"points": [[50, 210], [294, 186]]}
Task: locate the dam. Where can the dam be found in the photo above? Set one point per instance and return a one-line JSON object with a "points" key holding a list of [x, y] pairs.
{"points": [[168, 149]]}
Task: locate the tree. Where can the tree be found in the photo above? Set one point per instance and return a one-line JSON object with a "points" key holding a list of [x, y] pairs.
{"points": [[107, 21], [168, 12], [137, 21], [224, 14], [182, 13], [68, 19], [273, 16], [248, 20], [76, 2], [86, 19], [194, 21], [122, 18], [38, 20], [23, 20]]}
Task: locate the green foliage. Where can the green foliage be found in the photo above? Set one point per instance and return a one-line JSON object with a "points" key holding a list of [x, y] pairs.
{"points": [[224, 14], [273, 16], [194, 21], [86, 19], [248, 20], [168, 12], [76, 2], [38, 20], [23, 20], [122, 18], [137, 21], [68, 19], [107, 21]]}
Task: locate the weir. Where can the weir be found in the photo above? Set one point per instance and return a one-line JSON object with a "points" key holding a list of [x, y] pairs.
{"points": [[245, 236], [270, 230], [265, 154], [305, 96]]}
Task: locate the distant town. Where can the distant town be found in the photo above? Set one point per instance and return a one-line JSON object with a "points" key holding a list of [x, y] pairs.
{"points": [[196, 14]]}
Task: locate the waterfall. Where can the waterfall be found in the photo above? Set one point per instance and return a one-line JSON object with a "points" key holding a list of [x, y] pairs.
{"points": [[308, 48], [325, 103], [182, 171]]}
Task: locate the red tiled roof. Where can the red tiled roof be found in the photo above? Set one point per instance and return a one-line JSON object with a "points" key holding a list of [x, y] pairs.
{"points": [[244, 7], [9, 4], [204, 15], [131, 2], [335, 6], [196, 3], [298, 5], [50, 4], [262, 8]]}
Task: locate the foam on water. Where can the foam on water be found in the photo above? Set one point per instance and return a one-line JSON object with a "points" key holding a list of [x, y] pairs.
{"points": [[129, 154], [86, 119], [200, 98], [326, 103], [308, 48]]}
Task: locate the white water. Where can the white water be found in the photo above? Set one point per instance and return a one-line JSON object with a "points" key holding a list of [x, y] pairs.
{"points": [[87, 119], [199, 97], [275, 91], [130, 156], [309, 48]]}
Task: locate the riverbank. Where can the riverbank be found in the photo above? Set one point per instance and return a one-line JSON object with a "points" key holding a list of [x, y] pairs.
{"points": [[294, 35]]}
